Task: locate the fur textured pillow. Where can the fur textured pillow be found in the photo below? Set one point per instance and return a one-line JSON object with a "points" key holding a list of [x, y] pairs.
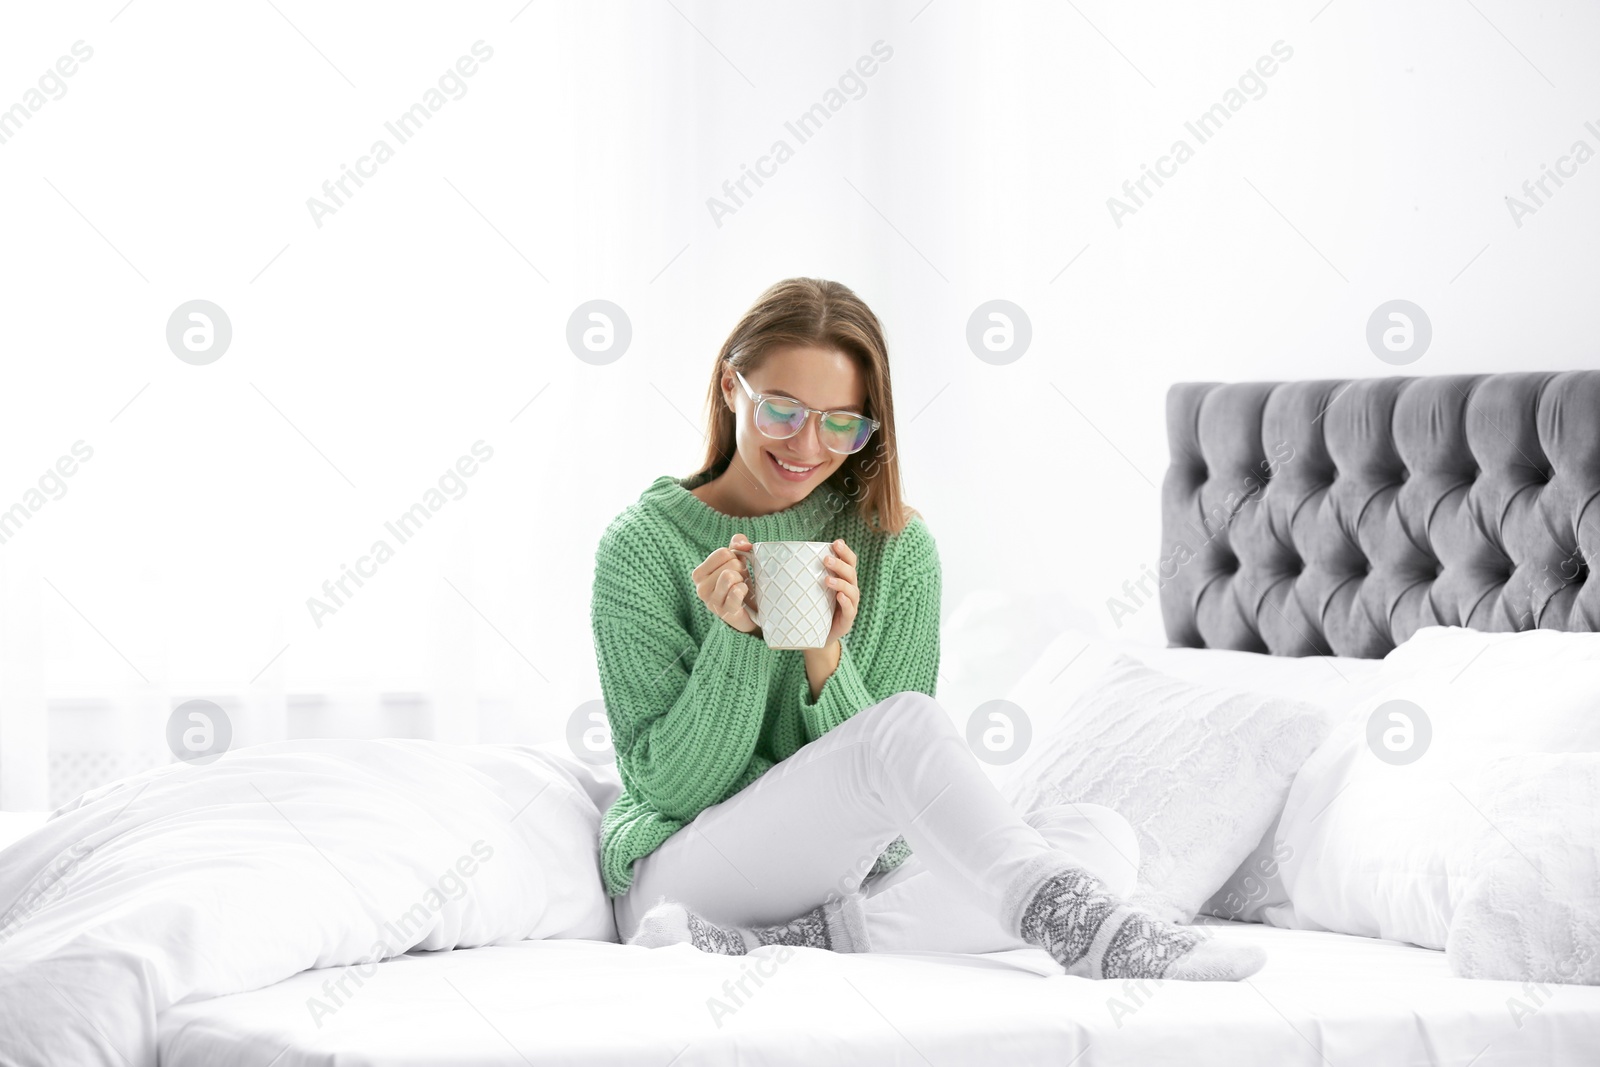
{"points": [[1530, 910], [1199, 771]]}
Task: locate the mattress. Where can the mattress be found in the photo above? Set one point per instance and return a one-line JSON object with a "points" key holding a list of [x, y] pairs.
{"points": [[1323, 998]]}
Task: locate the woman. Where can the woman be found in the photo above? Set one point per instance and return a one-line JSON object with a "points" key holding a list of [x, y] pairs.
{"points": [[823, 797]]}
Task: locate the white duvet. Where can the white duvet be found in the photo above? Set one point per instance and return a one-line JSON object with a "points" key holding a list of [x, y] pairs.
{"points": [[189, 882]]}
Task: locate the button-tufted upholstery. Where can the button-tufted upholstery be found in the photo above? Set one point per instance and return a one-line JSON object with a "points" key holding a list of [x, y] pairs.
{"points": [[1339, 517]]}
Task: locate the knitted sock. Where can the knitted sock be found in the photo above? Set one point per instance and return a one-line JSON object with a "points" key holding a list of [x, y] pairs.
{"points": [[838, 925], [1095, 935]]}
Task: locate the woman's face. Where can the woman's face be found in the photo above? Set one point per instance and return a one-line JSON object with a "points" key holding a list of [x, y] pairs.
{"points": [[816, 377]]}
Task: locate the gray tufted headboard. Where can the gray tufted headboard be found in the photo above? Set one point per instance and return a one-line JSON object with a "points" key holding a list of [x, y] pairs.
{"points": [[1339, 517]]}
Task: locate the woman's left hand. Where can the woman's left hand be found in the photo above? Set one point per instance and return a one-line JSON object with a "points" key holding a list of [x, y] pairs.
{"points": [[841, 568]]}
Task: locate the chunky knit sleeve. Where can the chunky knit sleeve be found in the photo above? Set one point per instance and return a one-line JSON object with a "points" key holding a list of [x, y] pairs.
{"points": [[685, 716], [898, 652]]}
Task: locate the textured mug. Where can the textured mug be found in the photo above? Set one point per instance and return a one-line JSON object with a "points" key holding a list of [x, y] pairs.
{"points": [[790, 598]]}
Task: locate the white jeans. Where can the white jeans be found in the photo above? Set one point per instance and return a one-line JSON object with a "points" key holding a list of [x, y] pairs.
{"points": [[813, 825]]}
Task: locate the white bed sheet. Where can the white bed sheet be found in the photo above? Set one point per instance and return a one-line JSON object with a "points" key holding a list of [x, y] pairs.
{"points": [[1324, 999]]}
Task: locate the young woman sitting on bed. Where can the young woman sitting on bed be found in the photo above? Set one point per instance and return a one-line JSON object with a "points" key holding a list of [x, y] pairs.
{"points": [[823, 797]]}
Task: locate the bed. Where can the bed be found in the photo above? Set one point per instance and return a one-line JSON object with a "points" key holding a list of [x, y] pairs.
{"points": [[1324, 999], [1380, 509]]}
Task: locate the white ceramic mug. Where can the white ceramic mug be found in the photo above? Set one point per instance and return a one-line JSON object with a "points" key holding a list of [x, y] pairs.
{"points": [[790, 598]]}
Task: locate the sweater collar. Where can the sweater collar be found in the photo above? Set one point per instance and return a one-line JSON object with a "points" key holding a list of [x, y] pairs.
{"points": [[709, 527]]}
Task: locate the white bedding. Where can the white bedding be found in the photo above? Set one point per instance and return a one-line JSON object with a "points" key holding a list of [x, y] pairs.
{"points": [[1323, 999], [178, 895], [190, 882]]}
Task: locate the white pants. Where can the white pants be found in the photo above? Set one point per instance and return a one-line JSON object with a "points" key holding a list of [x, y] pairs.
{"points": [[812, 826]]}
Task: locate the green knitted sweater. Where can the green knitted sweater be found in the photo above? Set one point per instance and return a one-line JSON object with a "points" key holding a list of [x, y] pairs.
{"points": [[699, 710]]}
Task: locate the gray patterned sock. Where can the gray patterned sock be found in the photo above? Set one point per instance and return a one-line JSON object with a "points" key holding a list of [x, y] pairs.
{"points": [[838, 925], [1095, 935]]}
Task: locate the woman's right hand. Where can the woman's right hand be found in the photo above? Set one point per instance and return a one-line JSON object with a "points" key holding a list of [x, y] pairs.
{"points": [[723, 585]]}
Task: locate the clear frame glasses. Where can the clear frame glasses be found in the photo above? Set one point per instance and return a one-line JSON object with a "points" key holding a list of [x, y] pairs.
{"points": [[782, 417]]}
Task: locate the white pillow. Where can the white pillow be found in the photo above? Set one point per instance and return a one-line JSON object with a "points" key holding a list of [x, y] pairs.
{"points": [[1382, 847], [1076, 659], [601, 781], [1333, 682], [1452, 651], [1256, 891], [1199, 771], [1531, 909]]}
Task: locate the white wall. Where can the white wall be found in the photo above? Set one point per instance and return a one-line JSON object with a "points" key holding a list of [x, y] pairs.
{"points": [[418, 319]]}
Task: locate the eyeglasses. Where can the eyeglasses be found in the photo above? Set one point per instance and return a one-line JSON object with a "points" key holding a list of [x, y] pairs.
{"points": [[781, 417]]}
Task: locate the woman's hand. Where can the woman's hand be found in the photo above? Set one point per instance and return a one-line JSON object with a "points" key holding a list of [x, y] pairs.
{"points": [[723, 585], [841, 569]]}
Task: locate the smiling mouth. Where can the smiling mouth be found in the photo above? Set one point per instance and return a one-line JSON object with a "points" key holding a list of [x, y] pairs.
{"points": [[790, 472]]}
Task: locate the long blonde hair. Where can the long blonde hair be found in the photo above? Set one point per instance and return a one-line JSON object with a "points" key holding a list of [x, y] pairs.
{"points": [[823, 314]]}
